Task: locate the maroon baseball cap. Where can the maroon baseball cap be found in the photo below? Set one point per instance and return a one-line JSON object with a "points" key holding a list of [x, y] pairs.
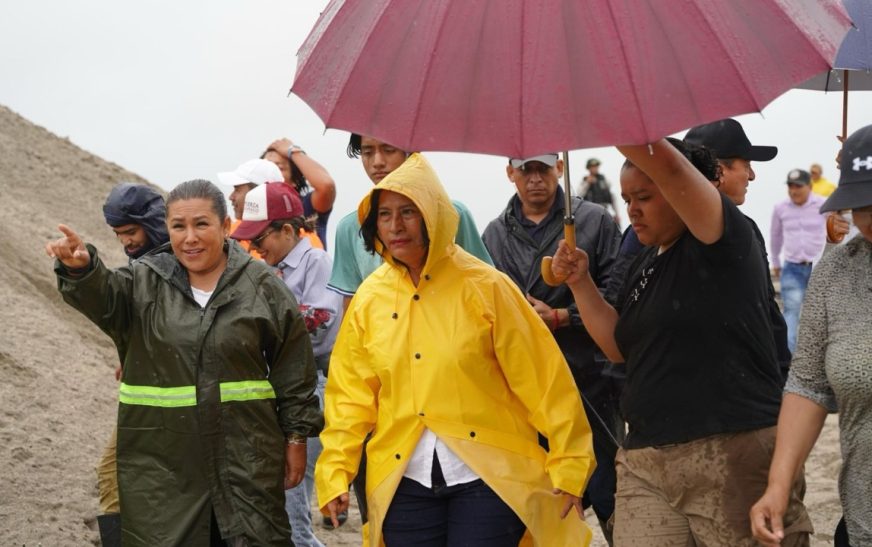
{"points": [[265, 204]]}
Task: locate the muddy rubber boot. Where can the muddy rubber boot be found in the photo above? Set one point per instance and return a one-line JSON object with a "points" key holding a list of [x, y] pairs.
{"points": [[110, 529]]}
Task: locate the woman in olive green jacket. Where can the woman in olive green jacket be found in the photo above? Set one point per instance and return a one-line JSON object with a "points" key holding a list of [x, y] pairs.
{"points": [[216, 398]]}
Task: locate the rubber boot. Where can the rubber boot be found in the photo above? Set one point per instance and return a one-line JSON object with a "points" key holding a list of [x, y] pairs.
{"points": [[110, 529]]}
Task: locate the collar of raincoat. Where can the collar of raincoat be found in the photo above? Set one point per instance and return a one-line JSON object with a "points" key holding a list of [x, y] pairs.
{"points": [[417, 180]]}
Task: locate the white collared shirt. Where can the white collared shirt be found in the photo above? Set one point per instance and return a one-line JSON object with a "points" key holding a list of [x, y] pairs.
{"points": [[421, 463]]}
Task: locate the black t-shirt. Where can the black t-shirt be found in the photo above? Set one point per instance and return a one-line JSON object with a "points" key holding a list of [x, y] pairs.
{"points": [[695, 332]]}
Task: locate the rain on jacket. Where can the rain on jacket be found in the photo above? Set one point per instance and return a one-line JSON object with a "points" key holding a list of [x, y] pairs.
{"points": [[207, 396], [454, 355]]}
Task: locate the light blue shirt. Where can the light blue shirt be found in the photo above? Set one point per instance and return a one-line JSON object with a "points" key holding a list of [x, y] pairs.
{"points": [[305, 271]]}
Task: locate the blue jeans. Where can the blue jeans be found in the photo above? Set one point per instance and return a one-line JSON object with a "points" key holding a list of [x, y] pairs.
{"points": [[794, 280], [298, 500], [468, 514]]}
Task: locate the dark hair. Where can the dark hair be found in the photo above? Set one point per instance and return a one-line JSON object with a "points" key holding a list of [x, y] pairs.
{"points": [[200, 189], [369, 226], [354, 145], [704, 159], [298, 223], [297, 179]]}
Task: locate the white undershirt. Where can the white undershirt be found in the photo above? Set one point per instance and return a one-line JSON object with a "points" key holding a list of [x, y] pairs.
{"points": [[421, 463], [202, 297]]}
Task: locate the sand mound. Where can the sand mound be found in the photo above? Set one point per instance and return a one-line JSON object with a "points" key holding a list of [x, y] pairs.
{"points": [[57, 393]]}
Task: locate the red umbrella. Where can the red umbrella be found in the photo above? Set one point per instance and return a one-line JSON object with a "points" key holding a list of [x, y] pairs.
{"points": [[519, 78]]}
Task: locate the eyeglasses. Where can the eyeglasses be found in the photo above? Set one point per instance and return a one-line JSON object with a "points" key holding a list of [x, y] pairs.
{"points": [[259, 239]]}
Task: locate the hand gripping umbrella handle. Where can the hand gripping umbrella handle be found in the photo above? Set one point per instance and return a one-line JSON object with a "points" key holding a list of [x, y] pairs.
{"points": [[569, 236]]}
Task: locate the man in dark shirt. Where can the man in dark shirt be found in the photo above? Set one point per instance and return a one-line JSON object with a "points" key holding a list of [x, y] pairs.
{"points": [[735, 153], [530, 228]]}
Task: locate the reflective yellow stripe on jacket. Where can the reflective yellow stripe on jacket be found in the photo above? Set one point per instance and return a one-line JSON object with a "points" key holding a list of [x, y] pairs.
{"points": [[171, 397]]}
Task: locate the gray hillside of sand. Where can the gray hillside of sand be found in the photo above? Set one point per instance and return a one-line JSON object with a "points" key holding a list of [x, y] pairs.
{"points": [[58, 395]]}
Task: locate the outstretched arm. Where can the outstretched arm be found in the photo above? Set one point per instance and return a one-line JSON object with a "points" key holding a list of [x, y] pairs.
{"points": [[694, 198]]}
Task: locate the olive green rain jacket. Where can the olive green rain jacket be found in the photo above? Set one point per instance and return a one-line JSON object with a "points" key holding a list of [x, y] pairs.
{"points": [[464, 355], [207, 396]]}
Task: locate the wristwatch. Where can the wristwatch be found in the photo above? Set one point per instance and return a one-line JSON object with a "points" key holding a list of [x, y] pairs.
{"points": [[294, 148]]}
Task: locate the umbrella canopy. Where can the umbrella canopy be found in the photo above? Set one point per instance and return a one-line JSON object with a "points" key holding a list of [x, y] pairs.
{"points": [[852, 67], [519, 78], [855, 54]]}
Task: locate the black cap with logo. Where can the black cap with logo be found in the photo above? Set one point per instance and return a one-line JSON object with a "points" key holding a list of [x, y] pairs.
{"points": [[728, 140], [855, 180]]}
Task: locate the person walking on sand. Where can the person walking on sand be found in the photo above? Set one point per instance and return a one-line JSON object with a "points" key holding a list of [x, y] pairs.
{"points": [[433, 359], [218, 379], [137, 216], [703, 385], [528, 229], [272, 220], [353, 263], [830, 371], [798, 235]]}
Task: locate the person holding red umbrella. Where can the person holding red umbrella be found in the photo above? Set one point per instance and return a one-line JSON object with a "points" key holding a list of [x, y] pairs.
{"points": [[703, 385]]}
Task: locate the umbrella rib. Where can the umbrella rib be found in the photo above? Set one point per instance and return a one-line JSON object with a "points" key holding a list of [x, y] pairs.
{"points": [[423, 87], [629, 74], [720, 42]]}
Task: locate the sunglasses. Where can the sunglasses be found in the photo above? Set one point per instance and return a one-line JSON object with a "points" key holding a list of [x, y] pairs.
{"points": [[259, 239]]}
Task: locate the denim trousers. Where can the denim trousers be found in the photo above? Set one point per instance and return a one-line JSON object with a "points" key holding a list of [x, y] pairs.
{"points": [[298, 500], [794, 280]]}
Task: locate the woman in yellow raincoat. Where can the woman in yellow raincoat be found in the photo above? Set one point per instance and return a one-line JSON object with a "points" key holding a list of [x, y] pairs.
{"points": [[441, 359]]}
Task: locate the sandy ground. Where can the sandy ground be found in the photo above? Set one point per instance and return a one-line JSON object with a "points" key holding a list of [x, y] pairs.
{"points": [[57, 394]]}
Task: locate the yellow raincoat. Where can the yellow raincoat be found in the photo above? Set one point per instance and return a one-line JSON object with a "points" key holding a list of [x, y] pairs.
{"points": [[464, 355]]}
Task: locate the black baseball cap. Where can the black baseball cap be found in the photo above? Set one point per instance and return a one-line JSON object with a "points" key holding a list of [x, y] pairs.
{"points": [[855, 180], [728, 140], [799, 176]]}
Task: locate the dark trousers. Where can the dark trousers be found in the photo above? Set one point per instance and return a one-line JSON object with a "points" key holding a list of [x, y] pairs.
{"points": [[468, 514]]}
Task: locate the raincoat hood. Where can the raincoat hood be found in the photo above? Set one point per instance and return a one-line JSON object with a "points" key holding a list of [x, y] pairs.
{"points": [[130, 203], [416, 180]]}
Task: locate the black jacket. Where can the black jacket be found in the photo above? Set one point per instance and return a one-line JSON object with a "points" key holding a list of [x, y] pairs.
{"points": [[516, 254]]}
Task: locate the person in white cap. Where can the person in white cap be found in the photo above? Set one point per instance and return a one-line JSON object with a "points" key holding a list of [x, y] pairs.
{"points": [[244, 178]]}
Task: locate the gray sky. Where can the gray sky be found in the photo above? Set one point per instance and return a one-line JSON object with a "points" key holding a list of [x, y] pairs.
{"points": [[180, 90]]}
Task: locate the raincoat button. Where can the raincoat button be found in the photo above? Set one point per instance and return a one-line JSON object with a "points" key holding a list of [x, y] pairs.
{"points": [[394, 315], [416, 297], [417, 356], [397, 456], [472, 433], [421, 414]]}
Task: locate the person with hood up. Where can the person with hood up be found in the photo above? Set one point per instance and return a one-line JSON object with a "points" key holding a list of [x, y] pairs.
{"points": [[434, 360], [137, 215], [218, 379]]}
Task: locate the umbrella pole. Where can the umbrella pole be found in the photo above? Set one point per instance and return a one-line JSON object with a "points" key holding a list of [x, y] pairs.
{"points": [[568, 226], [844, 105]]}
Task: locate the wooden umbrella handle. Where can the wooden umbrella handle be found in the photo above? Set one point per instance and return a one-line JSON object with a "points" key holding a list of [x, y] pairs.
{"points": [[569, 236]]}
